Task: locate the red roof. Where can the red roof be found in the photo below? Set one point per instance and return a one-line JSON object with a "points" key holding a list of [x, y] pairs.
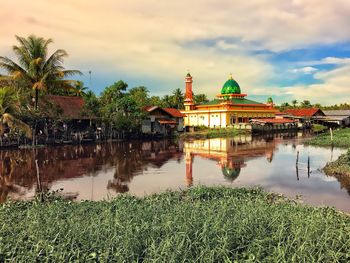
{"points": [[71, 106], [174, 112], [308, 112], [171, 111]]}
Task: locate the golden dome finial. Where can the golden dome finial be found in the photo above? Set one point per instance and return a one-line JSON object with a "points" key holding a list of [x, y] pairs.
{"points": [[230, 76]]}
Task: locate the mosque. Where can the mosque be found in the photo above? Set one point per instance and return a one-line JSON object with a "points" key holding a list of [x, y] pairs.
{"points": [[229, 108]]}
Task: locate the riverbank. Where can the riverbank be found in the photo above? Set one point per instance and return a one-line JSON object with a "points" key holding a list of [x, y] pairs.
{"points": [[340, 167], [204, 133], [341, 138], [200, 224]]}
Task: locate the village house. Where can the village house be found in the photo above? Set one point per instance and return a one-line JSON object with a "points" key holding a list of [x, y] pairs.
{"points": [[339, 118], [162, 121], [304, 117]]}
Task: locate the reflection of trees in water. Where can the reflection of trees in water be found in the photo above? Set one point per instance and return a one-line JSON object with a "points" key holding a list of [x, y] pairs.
{"points": [[17, 167], [344, 182]]}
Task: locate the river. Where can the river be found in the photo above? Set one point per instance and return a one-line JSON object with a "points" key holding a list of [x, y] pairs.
{"points": [[102, 171]]}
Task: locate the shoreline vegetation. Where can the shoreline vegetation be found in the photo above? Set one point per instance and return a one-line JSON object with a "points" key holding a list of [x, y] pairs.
{"points": [[341, 138], [207, 224], [204, 133], [340, 167]]}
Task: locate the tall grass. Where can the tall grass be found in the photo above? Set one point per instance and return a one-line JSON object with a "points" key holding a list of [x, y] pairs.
{"points": [[341, 138], [200, 224]]}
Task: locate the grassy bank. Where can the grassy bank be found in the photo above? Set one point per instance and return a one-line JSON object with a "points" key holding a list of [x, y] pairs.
{"points": [[341, 138], [213, 133], [339, 167], [200, 224], [318, 128]]}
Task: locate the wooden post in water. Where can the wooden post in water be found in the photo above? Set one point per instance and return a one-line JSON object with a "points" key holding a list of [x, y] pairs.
{"points": [[297, 160], [39, 181], [308, 167], [296, 165], [331, 132]]}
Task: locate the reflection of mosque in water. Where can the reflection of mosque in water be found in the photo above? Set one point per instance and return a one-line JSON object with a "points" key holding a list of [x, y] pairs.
{"points": [[230, 153], [124, 160]]}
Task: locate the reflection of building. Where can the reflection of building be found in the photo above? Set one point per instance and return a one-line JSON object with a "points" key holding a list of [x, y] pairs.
{"points": [[230, 153], [126, 159], [229, 108]]}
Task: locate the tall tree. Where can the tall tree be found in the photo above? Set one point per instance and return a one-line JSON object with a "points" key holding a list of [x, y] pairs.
{"points": [[36, 69], [178, 98], [294, 102], [200, 98], [140, 96], [306, 104]]}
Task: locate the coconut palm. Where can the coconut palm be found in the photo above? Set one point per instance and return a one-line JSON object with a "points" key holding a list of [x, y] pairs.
{"points": [[9, 106], [79, 89], [36, 69]]}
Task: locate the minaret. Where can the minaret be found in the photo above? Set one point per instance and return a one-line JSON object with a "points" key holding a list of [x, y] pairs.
{"points": [[189, 103], [189, 161]]}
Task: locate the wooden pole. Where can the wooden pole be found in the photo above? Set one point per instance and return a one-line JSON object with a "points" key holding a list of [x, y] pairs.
{"points": [[308, 166], [39, 181], [331, 131], [297, 160]]}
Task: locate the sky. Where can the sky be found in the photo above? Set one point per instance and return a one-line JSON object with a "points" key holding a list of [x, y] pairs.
{"points": [[284, 49]]}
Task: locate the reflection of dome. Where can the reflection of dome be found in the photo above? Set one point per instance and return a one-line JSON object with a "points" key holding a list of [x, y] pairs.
{"points": [[231, 173], [231, 87]]}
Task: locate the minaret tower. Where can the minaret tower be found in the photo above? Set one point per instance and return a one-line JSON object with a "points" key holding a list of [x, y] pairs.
{"points": [[189, 103]]}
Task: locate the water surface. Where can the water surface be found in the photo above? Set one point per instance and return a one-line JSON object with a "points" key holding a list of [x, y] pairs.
{"points": [[96, 172]]}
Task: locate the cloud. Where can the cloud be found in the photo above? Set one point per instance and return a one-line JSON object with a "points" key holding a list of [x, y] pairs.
{"points": [[335, 87], [305, 70], [148, 38]]}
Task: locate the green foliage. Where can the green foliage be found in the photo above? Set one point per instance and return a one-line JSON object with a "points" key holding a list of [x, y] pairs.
{"points": [[318, 127], [341, 138], [197, 225], [37, 70], [200, 98], [339, 167]]}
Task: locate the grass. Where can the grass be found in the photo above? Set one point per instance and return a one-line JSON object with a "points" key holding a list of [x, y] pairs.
{"points": [[197, 225], [213, 133], [339, 167], [318, 127], [341, 138]]}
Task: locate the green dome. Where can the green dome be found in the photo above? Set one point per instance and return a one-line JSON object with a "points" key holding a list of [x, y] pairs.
{"points": [[230, 174], [231, 86], [269, 100]]}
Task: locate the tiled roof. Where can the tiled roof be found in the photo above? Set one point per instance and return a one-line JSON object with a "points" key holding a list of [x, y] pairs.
{"points": [[174, 112], [308, 112], [171, 111], [71, 106], [233, 100]]}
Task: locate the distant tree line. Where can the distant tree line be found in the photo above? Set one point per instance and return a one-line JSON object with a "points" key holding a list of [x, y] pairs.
{"points": [[307, 104]]}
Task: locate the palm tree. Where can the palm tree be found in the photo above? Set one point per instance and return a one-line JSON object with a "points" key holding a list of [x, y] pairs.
{"points": [[35, 68], [9, 106], [178, 98], [294, 102], [79, 89]]}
